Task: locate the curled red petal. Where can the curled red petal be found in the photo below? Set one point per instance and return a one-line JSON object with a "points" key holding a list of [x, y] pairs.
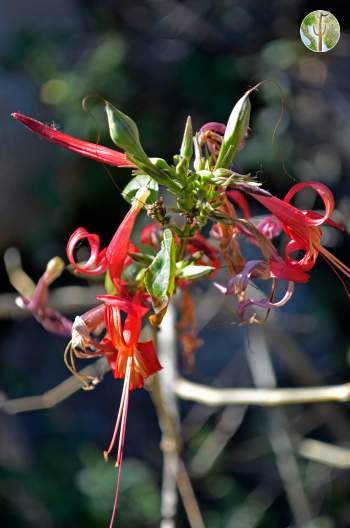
{"points": [[329, 221], [84, 148], [325, 194], [96, 263], [307, 261]]}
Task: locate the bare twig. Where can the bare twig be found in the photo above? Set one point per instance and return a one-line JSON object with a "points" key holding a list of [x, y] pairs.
{"points": [[174, 471], [263, 374], [188, 497], [198, 414], [304, 372], [250, 513], [67, 299], [57, 394], [187, 390], [165, 403], [331, 455], [216, 441]]}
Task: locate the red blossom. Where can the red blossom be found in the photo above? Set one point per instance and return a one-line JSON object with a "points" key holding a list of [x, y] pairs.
{"points": [[115, 255], [303, 227], [125, 339], [84, 148], [130, 359]]}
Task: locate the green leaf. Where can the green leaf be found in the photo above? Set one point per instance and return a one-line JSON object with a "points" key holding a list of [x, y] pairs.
{"points": [[137, 183], [193, 272], [160, 275]]}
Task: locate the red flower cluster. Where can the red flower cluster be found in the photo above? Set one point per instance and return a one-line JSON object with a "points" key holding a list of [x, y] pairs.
{"points": [[178, 254]]}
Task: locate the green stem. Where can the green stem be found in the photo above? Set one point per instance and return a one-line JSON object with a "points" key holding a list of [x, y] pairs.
{"points": [[183, 239]]}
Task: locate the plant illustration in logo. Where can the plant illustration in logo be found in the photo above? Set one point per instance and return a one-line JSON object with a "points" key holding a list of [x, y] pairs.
{"points": [[320, 31]]}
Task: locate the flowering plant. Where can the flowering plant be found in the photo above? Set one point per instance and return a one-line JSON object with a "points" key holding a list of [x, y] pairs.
{"points": [[201, 229]]}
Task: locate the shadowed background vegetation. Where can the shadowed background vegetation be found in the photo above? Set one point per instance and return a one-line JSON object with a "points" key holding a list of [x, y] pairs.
{"points": [[160, 60]]}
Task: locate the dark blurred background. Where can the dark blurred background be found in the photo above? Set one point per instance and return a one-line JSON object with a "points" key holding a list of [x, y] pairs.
{"points": [[160, 60]]}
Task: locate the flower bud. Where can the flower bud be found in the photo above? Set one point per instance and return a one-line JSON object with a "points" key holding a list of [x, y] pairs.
{"points": [[124, 133], [194, 272], [235, 131], [187, 141], [222, 173], [54, 269]]}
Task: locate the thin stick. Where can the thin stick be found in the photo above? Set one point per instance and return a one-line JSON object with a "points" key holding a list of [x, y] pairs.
{"points": [[57, 394], [187, 390], [262, 370], [329, 454], [174, 472], [188, 497], [166, 405]]}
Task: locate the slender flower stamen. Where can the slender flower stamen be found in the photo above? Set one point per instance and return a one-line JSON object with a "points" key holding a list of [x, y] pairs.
{"points": [[121, 421]]}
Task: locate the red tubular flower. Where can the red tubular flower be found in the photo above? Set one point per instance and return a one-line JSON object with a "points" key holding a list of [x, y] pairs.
{"points": [[114, 256], [125, 339], [132, 360], [84, 148], [118, 248], [303, 227]]}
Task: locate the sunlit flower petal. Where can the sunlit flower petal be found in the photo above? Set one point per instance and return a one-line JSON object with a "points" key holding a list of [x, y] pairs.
{"points": [[84, 148]]}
